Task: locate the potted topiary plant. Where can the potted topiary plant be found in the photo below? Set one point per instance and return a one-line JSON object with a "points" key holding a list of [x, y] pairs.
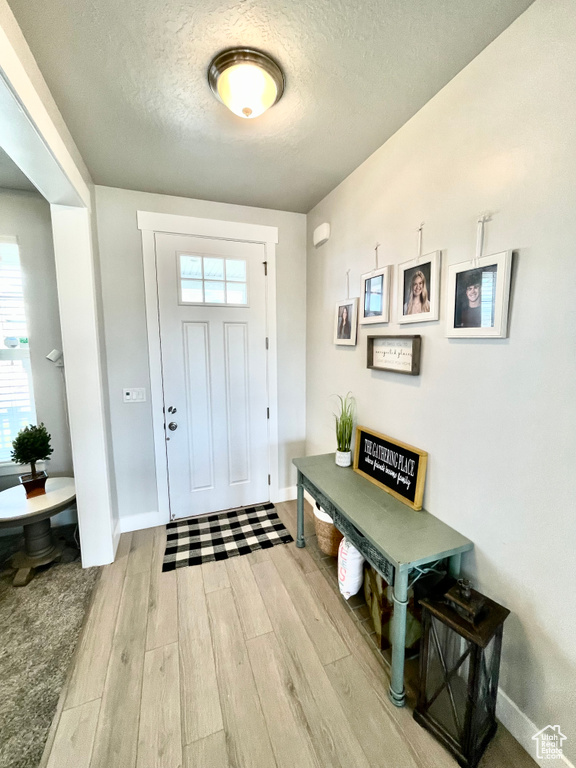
{"points": [[30, 445], [344, 425]]}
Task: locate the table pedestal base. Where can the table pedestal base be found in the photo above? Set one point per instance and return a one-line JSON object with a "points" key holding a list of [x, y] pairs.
{"points": [[39, 550]]}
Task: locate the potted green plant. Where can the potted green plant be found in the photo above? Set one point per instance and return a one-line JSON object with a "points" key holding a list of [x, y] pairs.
{"points": [[344, 424], [30, 445]]}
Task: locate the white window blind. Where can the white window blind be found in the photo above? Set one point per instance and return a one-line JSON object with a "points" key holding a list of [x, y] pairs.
{"points": [[16, 393]]}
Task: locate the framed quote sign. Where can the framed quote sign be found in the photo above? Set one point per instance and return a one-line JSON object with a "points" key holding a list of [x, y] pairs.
{"points": [[398, 468], [400, 354]]}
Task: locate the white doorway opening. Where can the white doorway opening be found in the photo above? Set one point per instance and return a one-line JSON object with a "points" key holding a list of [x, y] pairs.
{"points": [[39, 148]]}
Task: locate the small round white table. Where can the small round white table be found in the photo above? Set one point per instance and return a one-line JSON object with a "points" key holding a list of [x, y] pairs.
{"points": [[34, 514]]}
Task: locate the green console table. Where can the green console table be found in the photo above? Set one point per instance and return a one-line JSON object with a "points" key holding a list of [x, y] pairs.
{"points": [[396, 540]]}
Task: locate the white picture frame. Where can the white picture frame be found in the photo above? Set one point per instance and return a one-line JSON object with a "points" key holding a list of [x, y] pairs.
{"points": [[375, 296], [346, 322], [478, 297], [425, 273]]}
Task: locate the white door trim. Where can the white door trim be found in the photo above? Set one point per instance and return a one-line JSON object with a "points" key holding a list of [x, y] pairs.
{"points": [[220, 230], [150, 223]]}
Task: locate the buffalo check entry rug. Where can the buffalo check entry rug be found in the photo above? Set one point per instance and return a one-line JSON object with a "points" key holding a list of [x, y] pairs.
{"points": [[223, 535]]}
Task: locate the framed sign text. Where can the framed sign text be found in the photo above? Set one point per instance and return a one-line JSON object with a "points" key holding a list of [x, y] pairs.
{"points": [[398, 468], [400, 354]]}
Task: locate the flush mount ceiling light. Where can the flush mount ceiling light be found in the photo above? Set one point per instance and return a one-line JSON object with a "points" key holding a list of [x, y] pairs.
{"points": [[247, 81]]}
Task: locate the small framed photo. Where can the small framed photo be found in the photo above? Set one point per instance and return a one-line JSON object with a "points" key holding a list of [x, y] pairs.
{"points": [[419, 289], [478, 296], [375, 293], [346, 322]]}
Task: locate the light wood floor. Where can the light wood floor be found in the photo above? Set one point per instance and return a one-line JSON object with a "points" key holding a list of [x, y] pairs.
{"points": [[253, 662]]}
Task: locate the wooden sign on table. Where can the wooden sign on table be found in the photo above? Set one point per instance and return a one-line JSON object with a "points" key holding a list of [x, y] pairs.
{"points": [[398, 468]]}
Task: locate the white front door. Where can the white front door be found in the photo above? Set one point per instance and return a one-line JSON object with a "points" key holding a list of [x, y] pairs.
{"points": [[212, 313]]}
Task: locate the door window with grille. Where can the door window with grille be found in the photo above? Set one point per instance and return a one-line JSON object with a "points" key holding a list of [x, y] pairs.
{"points": [[213, 280], [16, 393]]}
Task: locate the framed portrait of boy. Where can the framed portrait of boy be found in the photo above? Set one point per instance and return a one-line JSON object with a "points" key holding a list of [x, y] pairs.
{"points": [[419, 289], [375, 296], [478, 296], [346, 322]]}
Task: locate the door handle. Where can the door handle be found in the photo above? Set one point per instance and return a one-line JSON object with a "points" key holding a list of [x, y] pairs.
{"points": [[172, 426]]}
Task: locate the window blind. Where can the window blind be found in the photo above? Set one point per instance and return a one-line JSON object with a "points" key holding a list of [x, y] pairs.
{"points": [[16, 392]]}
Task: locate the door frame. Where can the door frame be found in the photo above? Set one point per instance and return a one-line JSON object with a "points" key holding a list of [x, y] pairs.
{"points": [[150, 224]]}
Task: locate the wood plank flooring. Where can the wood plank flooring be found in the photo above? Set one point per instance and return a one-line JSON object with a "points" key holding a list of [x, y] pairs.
{"points": [[253, 662]]}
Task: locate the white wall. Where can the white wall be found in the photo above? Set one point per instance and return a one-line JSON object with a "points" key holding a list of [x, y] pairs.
{"points": [[26, 215], [120, 247], [34, 135], [497, 417]]}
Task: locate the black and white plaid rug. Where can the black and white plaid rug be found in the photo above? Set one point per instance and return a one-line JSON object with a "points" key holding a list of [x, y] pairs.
{"points": [[223, 535]]}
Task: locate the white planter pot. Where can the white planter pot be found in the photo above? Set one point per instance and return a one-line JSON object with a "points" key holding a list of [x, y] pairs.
{"points": [[343, 458]]}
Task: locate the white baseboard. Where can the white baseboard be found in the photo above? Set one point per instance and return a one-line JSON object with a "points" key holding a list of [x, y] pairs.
{"points": [[286, 494], [291, 494], [142, 521], [310, 499], [523, 729], [116, 537]]}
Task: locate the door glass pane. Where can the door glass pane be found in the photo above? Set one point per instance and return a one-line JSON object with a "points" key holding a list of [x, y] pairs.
{"points": [[191, 266], [213, 280], [192, 291], [236, 293], [213, 269], [236, 270], [214, 292]]}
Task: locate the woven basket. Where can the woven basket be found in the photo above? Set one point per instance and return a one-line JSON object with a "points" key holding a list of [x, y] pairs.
{"points": [[329, 537]]}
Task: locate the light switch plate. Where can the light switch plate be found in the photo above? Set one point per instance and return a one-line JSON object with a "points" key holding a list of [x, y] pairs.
{"points": [[134, 395]]}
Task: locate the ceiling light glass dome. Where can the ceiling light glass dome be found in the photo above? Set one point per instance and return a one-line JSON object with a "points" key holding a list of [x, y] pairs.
{"points": [[247, 81]]}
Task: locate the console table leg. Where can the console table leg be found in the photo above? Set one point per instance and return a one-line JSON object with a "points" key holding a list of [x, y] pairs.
{"points": [[398, 637], [300, 534], [454, 564]]}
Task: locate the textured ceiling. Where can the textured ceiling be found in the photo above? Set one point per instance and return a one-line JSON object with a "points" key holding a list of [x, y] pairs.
{"points": [[11, 177], [130, 80]]}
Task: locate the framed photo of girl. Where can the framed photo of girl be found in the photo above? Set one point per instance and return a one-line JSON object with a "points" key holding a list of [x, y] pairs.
{"points": [[375, 293], [478, 296], [346, 322], [419, 289]]}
